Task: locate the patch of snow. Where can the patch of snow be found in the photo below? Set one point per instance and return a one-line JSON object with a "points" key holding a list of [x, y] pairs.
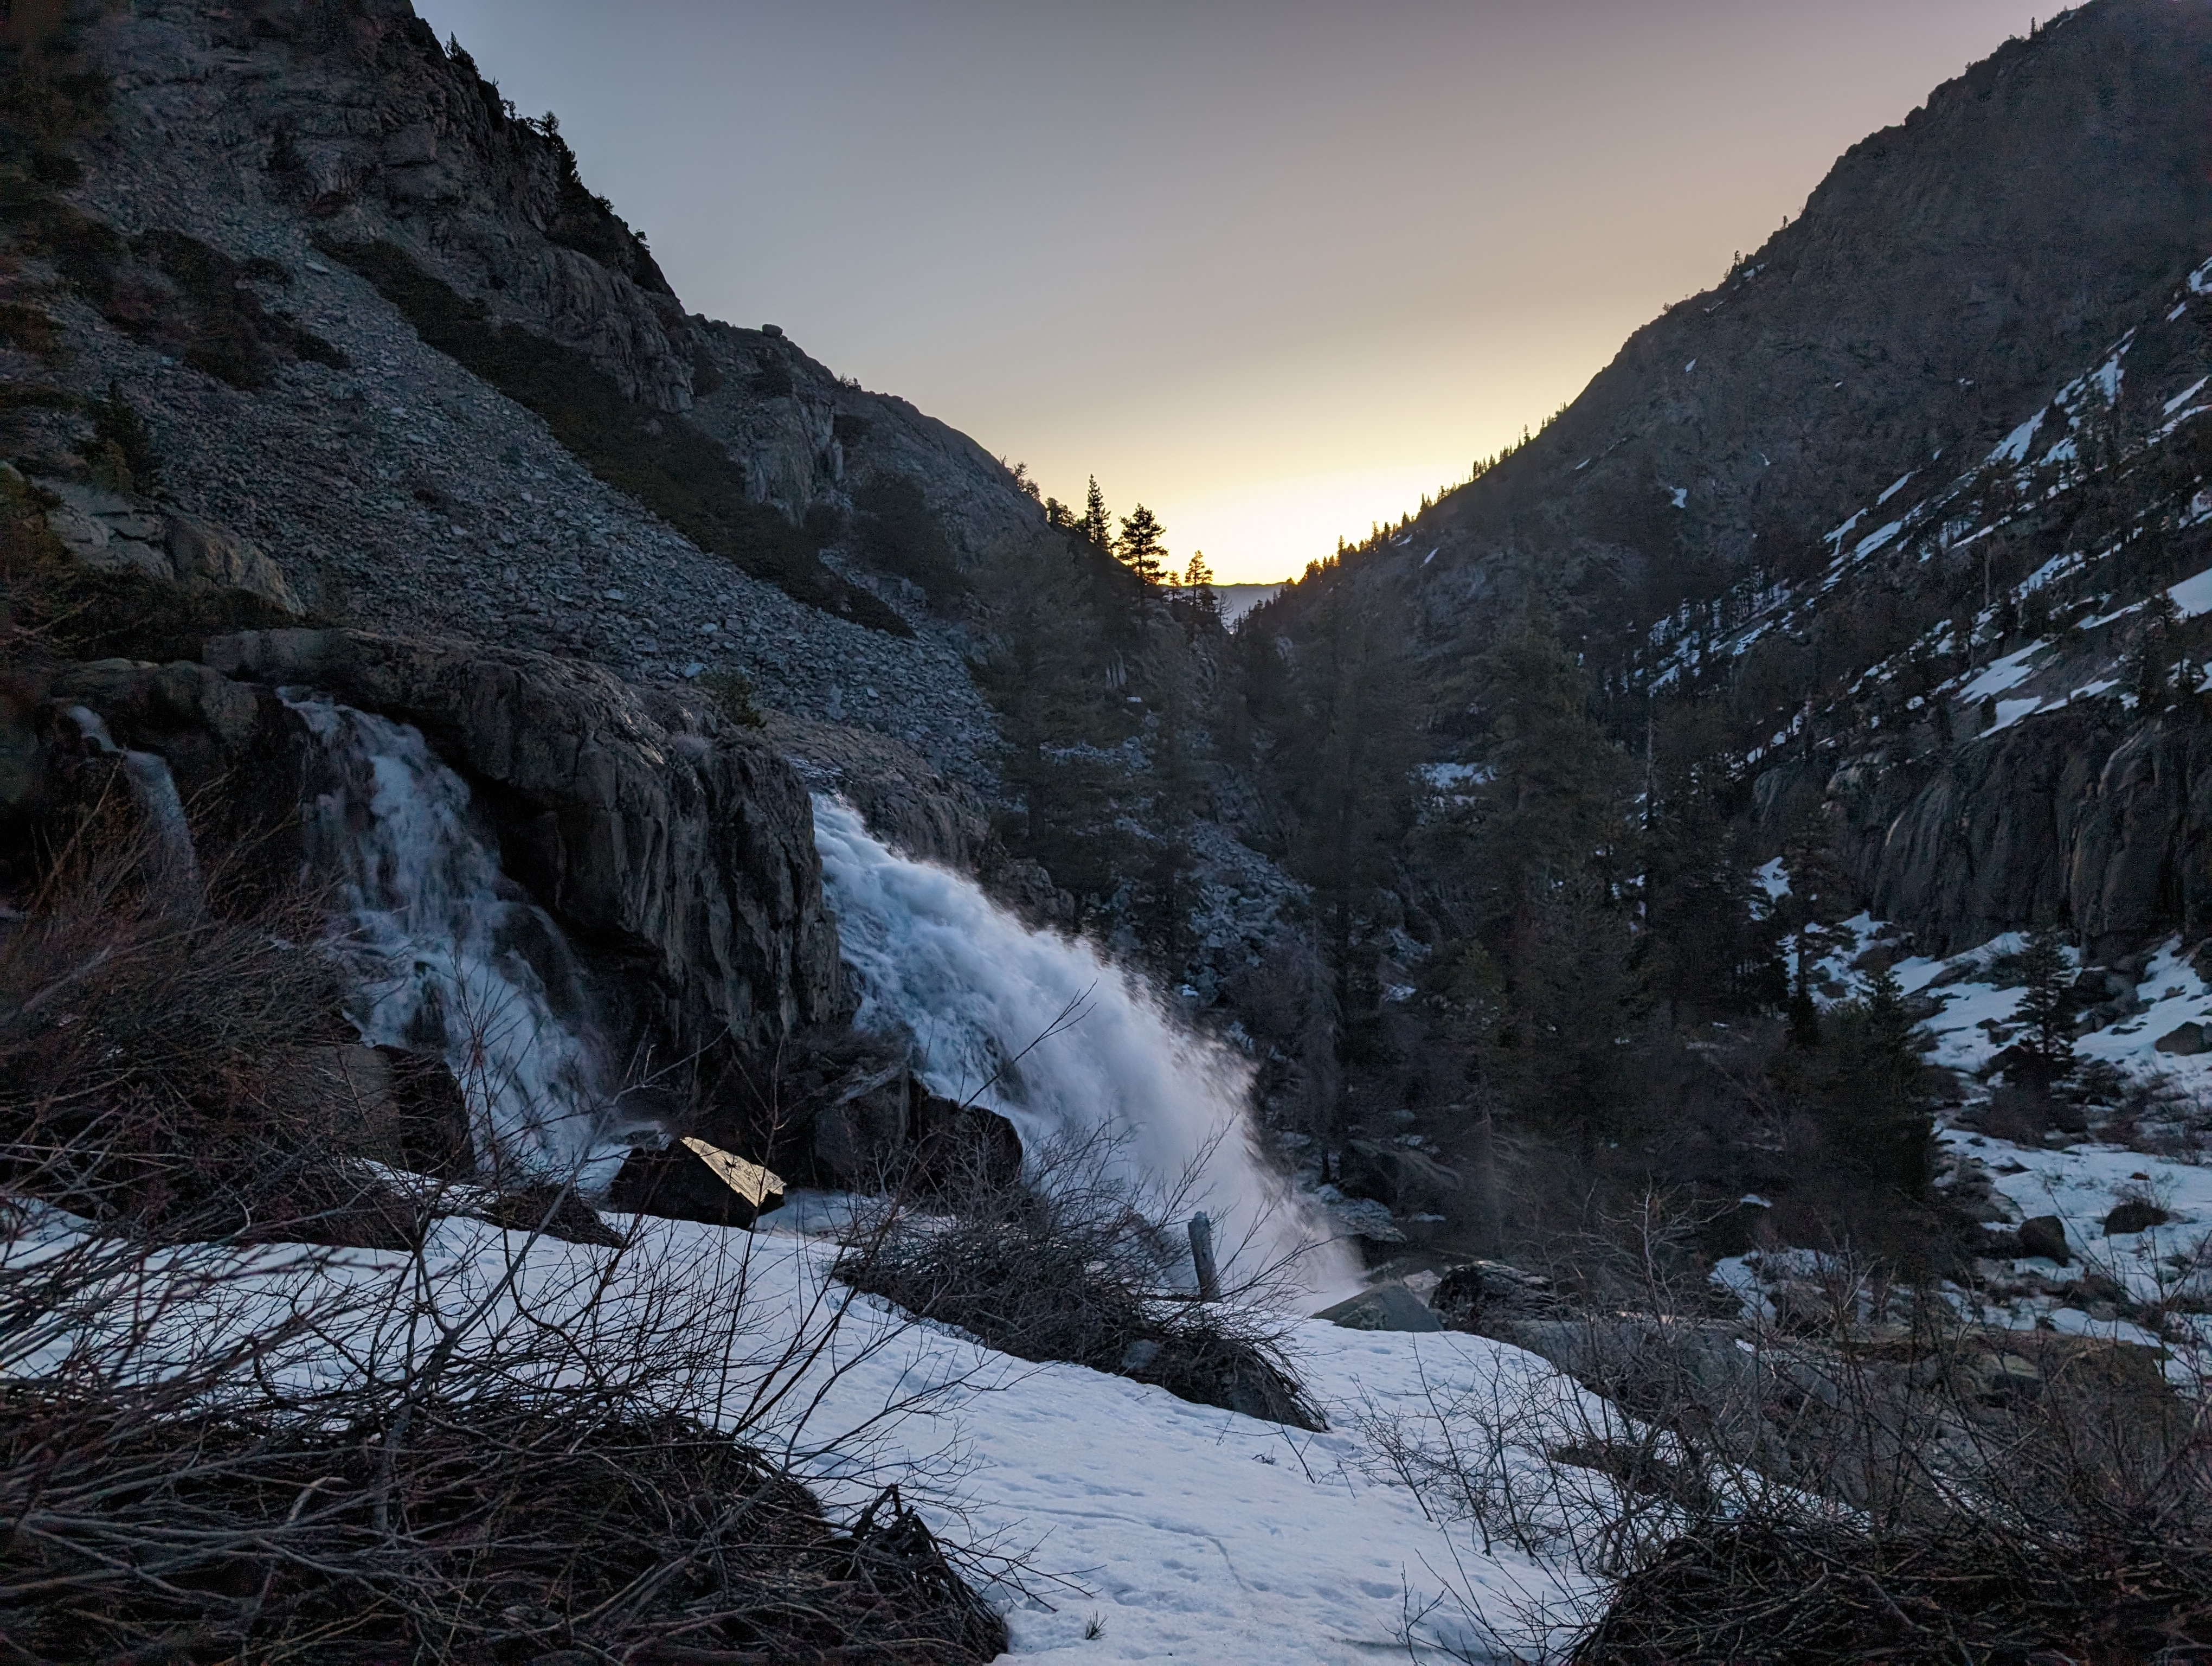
{"points": [[1447, 777], [1688, 367], [2013, 448], [1903, 480], [2185, 396], [2193, 596], [2200, 281], [2002, 674], [2101, 620], [1875, 539], [1681, 495], [1166, 1530], [2106, 376]]}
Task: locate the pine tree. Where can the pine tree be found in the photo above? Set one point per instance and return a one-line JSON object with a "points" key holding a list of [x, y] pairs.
{"points": [[2046, 1006], [1143, 546], [1097, 525], [1552, 806], [2153, 676], [1880, 1111], [1198, 579]]}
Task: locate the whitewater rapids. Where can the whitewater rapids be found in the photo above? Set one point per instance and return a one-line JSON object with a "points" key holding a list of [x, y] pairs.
{"points": [[1065, 1045]]}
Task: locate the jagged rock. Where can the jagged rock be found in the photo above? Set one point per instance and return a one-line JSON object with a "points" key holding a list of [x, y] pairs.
{"points": [[1389, 1306], [674, 1184], [2045, 1235]]}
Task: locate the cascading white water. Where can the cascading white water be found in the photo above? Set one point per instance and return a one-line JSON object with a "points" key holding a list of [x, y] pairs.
{"points": [[976, 989], [155, 790], [440, 949]]}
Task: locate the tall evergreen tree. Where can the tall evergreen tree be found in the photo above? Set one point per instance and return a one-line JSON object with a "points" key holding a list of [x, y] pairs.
{"points": [[1143, 546], [1344, 749], [2046, 1006], [1097, 525], [1198, 581], [1878, 1111], [1553, 803]]}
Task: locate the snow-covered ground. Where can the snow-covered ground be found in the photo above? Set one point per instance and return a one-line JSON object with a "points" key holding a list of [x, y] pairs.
{"points": [[2080, 1179], [1180, 1532], [1145, 1528]]}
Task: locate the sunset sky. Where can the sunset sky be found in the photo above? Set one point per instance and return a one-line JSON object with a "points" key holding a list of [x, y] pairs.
{"points": [[1275, 268]]}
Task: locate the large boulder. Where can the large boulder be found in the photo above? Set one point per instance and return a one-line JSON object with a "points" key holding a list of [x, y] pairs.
{"points": [[1485, 1296], [2045, 1235], [1387, 1306], [108, 531]]}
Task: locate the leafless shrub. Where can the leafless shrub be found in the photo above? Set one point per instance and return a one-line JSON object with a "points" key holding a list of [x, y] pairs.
{"points": [[157, 1056], [1883, 1480], [472, 1445], [1072, 1260]]}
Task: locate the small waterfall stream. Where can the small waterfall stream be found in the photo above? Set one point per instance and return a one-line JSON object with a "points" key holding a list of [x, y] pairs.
{"points": [[440, 951], [155, 790], [976, 989]]}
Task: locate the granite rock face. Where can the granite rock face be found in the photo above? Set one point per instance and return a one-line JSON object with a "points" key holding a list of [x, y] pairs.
{"points": [[667, 845], [2081, 817]]}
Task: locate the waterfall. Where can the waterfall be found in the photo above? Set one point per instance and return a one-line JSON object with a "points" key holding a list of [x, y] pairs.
{"points": [[440, 949], [976, 989], [155, 790]]}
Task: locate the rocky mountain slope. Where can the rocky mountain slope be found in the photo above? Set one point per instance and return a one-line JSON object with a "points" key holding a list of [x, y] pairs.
{"points": [[1935, 448], [1947, 276], [179, 226]]}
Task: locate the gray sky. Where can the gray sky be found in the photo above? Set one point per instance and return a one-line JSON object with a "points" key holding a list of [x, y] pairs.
{"points": [[1274, 267]]}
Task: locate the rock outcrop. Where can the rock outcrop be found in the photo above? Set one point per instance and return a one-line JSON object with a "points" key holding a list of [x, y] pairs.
{"points": [[668, 846], [109, 531], [2081, 817], [676, 851]]}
